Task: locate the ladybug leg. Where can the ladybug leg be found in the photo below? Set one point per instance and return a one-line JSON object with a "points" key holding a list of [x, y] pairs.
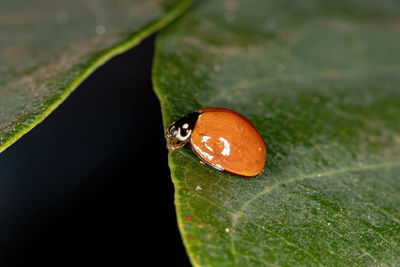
{"points": [[176, 144], [172, 145], [202, 162]]}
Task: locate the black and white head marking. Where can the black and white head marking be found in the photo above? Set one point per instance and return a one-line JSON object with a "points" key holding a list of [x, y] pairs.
{"points": [[181, 134], [178, 134]]}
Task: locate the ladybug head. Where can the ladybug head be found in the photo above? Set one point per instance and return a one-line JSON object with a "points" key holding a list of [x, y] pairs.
{"points": [[178, 134]]}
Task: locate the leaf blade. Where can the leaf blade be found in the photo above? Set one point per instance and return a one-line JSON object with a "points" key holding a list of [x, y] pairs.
{"points": [[319, 81]]}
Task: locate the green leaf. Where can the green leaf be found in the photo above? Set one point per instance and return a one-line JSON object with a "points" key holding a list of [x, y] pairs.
{"points": [[47, 48], [320, 80]]}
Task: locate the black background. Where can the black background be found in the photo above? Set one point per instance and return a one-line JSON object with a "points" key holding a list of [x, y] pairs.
{"points": [[91, 184]]}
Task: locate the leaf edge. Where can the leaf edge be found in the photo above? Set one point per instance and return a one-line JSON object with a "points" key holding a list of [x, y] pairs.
{"points": [[132, 40]]}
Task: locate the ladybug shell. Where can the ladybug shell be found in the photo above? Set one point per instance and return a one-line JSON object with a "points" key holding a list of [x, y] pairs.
{"points": [[228, 142]]}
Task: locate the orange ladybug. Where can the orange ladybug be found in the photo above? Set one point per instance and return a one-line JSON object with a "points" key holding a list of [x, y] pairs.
{"points": [[221, 138]]}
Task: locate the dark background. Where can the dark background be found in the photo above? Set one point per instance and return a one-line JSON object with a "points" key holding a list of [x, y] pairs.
{"points": [[91, 184]]}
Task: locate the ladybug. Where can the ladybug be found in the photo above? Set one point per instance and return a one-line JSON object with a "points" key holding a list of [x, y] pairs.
{"points": [[221, 138]]}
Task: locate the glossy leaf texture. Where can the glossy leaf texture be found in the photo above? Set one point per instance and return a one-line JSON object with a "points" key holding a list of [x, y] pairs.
{"points": [[320, 80], [48, 47]]}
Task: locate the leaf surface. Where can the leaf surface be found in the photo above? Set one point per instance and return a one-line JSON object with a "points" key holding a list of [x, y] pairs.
{"points": [[320, 80], [48, 47]]}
